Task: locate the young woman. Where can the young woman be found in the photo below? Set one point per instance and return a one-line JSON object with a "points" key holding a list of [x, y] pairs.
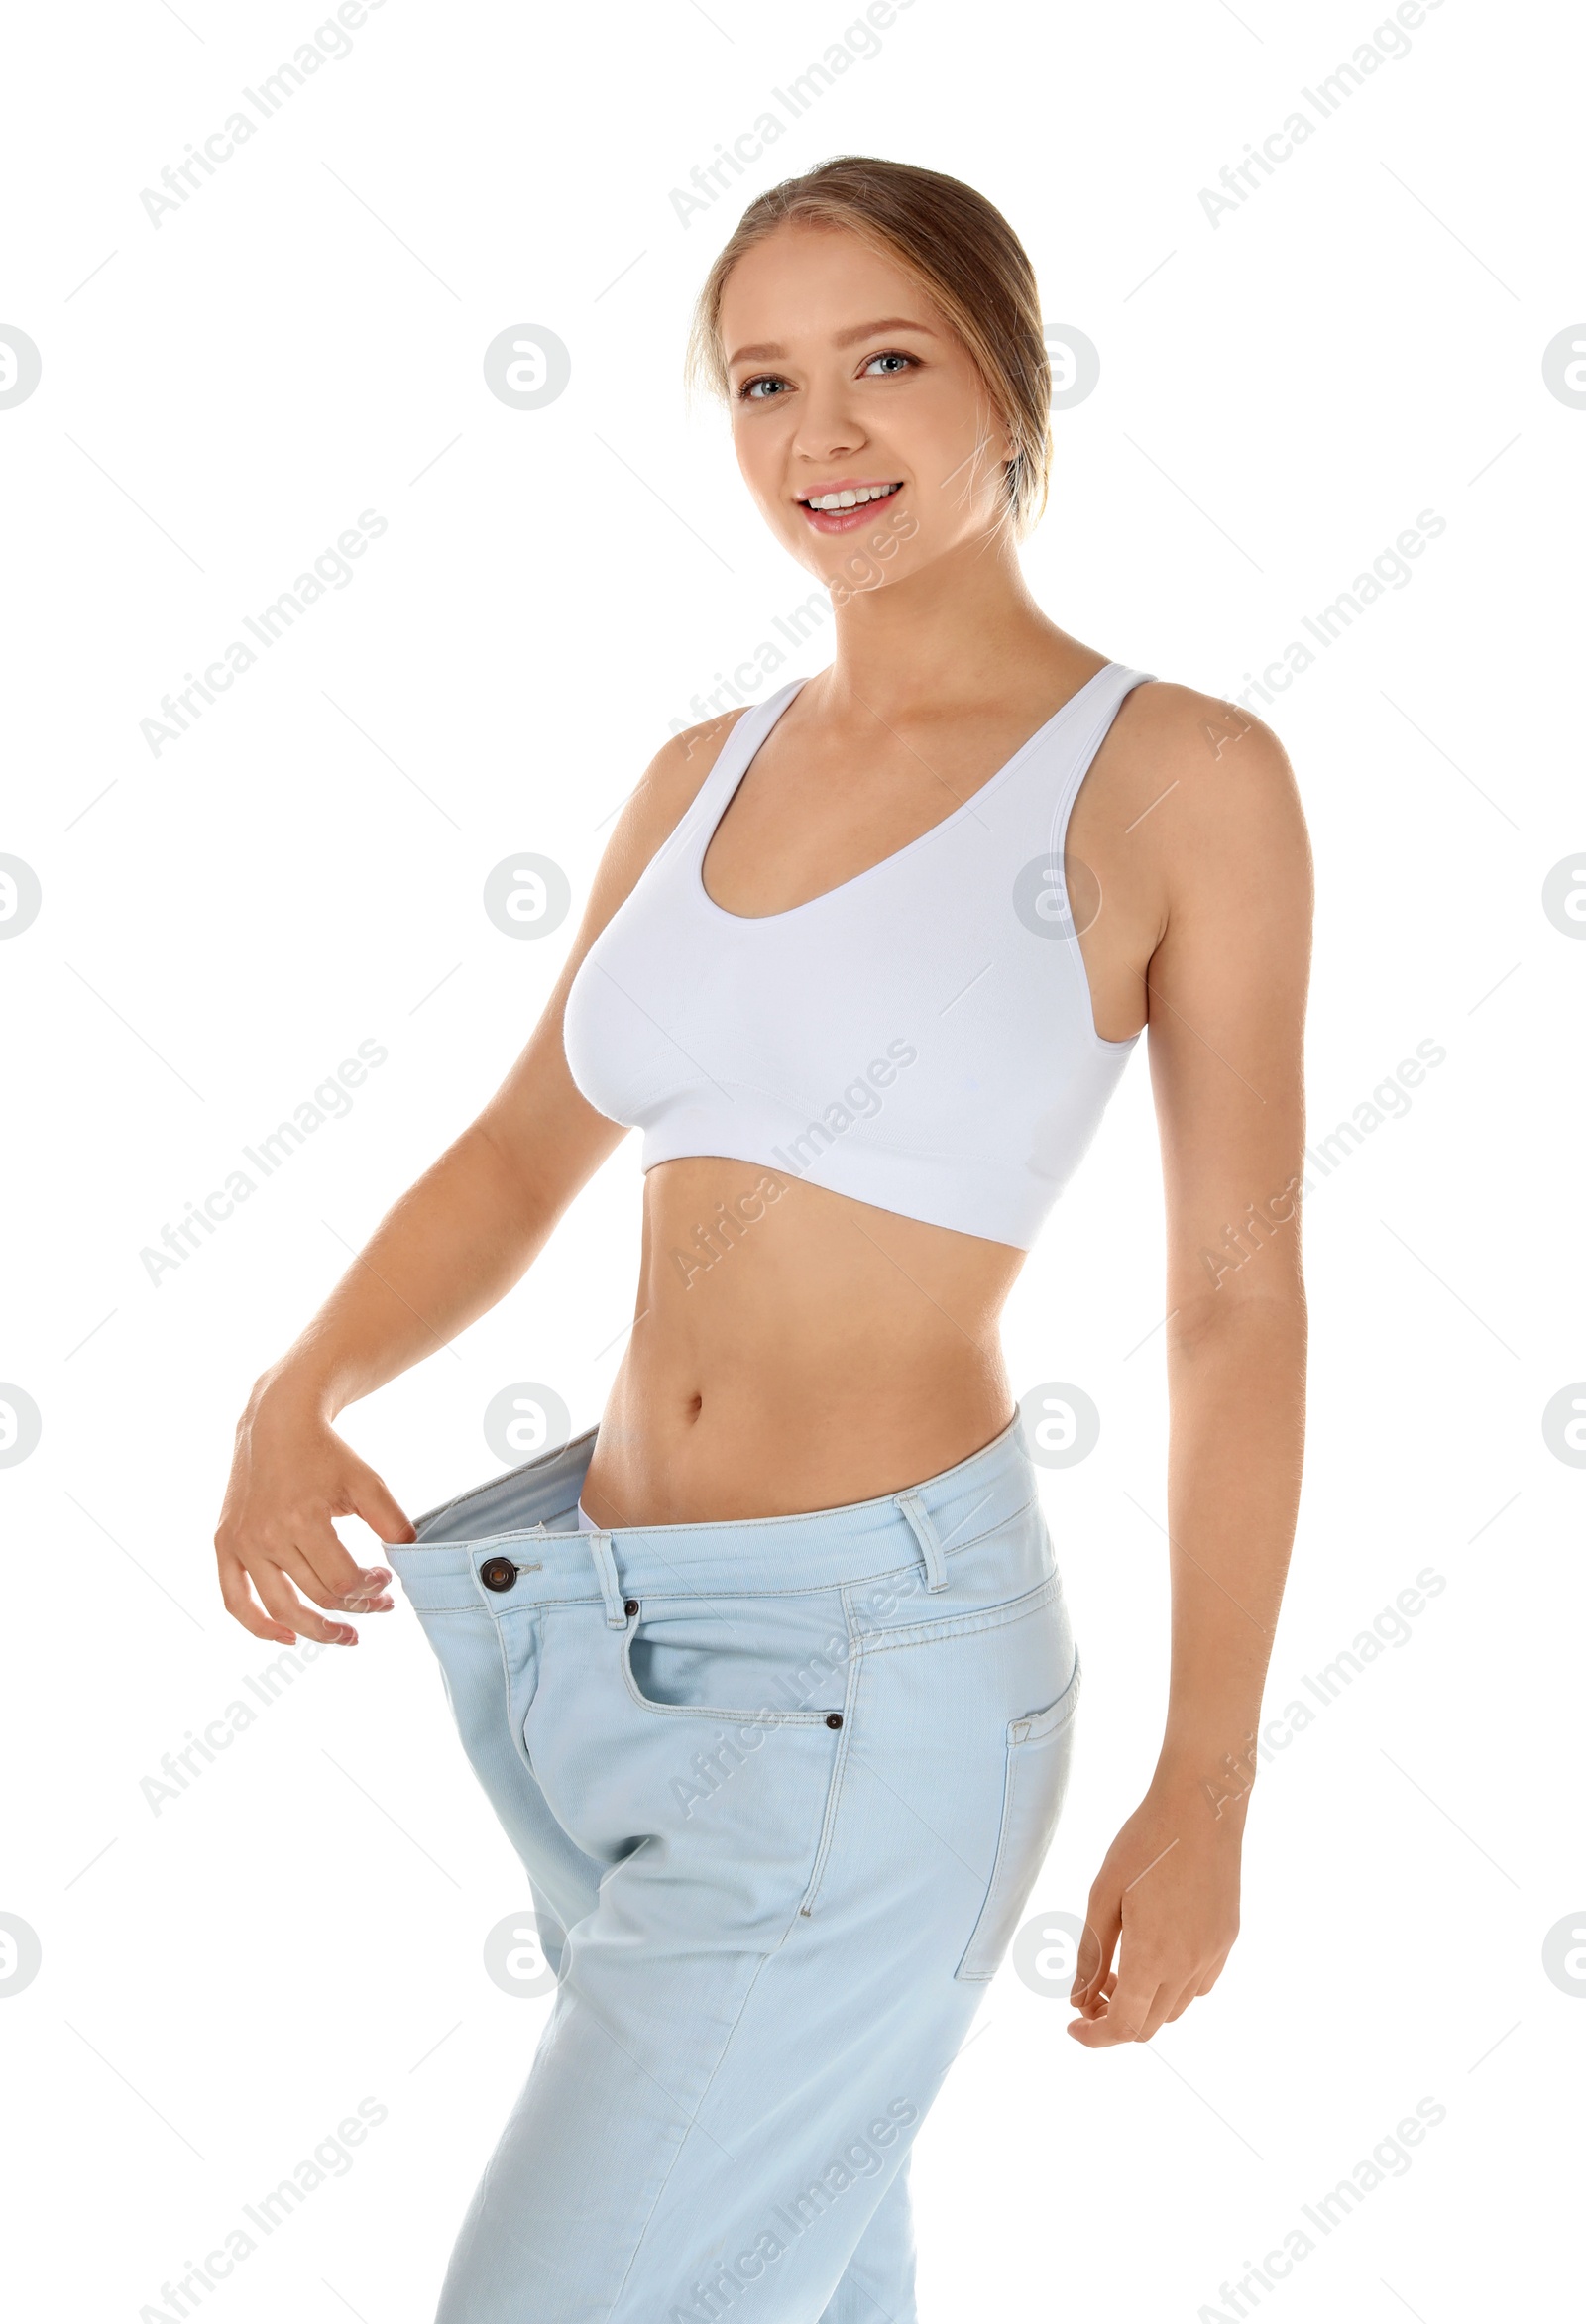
{"points": [[769, 1675]]}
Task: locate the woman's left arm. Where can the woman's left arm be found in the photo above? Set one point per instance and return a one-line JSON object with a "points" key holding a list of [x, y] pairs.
{"points": [[1226, 987]]}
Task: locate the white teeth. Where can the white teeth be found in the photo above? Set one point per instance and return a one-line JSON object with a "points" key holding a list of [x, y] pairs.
{"points": [[851, 499]]}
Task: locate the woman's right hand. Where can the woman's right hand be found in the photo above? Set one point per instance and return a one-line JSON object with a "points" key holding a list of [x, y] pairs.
{"points": [[290, 1476]]}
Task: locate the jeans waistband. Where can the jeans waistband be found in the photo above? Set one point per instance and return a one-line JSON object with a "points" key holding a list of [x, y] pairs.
{"points": [[529, 1516]]}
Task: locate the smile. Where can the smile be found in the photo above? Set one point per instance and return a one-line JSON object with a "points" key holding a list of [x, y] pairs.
{"points": [[851, 496], [845, 508]]}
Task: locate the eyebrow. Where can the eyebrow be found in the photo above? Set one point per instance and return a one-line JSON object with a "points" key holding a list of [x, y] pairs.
{"points": [[769, 352]]}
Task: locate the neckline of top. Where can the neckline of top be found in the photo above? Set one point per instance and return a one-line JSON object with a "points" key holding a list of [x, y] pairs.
{"points": [[770, 918]]}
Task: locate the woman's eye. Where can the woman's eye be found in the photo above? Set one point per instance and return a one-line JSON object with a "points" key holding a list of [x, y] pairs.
{"points": [[891, 357], [749, 392]]}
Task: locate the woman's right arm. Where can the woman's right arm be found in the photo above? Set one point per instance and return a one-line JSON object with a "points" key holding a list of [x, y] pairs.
{"points": [[447, 1251]]}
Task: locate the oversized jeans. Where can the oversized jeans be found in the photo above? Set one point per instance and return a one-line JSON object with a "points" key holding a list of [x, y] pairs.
{"points": [[782, 1787]]}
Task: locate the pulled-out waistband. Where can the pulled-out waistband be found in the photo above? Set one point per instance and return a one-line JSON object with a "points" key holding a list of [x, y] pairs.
{"points": [[527, 1520]]}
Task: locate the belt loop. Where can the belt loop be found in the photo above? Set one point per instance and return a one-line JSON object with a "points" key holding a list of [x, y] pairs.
{"points": [[600, 1546], [925, 1533]]}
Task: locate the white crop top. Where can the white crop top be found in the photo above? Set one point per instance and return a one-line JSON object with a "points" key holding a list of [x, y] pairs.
{"points": [[920, 1038]]}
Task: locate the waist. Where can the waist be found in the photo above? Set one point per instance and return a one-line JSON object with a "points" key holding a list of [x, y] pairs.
{"points": [[811, 1272], [529, 1517], [834, 1352]]}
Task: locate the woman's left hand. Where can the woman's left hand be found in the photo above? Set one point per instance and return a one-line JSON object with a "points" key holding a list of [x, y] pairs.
{"points": [[1167, 1901]]}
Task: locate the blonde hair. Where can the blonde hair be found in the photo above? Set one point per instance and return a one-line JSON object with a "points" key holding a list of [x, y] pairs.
{"points": [[962, 250]]}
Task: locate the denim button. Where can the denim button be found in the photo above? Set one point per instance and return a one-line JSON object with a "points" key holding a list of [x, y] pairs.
{"points": [[497, 1573], [833, 1719], [630, 1606]]}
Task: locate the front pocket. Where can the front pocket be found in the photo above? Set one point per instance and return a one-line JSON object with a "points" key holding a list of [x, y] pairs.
{"points": [[1039, 1748], [764, 1662]]}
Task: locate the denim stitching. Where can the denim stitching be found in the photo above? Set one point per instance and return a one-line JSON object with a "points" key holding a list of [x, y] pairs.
{"points": [[802, 1589], [611, 1582], [920, 1524], [693, 2123], [963, 1625], [840, 1770], [515, 1726], [766, 1719], [980, 1977], [1013, 1745], [1070, 1696]]}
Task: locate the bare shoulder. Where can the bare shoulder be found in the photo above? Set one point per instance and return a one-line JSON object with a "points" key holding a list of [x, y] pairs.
{"points": [[682, 763], [1209, 793]]}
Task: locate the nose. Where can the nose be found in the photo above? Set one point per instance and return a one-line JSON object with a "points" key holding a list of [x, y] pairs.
{"points": [[830, 428]]}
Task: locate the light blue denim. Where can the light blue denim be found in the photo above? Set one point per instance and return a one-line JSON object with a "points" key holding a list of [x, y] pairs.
{"points": [[782, 1787]]}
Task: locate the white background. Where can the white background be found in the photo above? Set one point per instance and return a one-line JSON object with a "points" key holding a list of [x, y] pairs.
{"points": [[1281, 395]]}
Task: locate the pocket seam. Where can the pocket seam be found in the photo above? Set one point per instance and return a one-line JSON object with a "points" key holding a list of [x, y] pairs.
{"points": [[1039, 1724], [765, 1718], [517, 1725], [1030, 1727], [960, 1625], [840, 1769]]}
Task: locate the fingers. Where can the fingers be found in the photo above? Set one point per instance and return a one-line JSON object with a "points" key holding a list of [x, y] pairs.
{"points": [[371, 1502], [237, 1598], [1122, 2012], [1155, 2013], [346, 1588], [1133, 2013], [280, 1615], [303, 1543], [279, 1618], [1093, 1999], [292, 1478], [1091, 1980], [325, 1571], [320, 1562]]}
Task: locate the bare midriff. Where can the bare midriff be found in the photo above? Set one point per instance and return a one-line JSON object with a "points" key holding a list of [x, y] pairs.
{"points": [[826, 1353]]}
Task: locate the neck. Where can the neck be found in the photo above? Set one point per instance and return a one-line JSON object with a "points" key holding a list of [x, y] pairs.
{"points": [[964, 627]]}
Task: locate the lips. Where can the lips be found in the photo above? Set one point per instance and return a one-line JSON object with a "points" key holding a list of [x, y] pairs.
{"points": [[847, 506], [847, 496]]}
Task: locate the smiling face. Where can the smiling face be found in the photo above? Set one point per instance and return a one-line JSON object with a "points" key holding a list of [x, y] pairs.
{"points": [[857, 409]]}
